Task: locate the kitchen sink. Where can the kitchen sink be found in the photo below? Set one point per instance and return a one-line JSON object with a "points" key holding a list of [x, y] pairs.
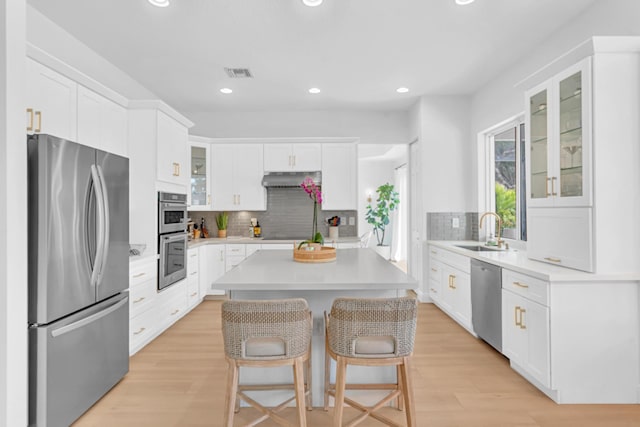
{"points": [[477, 248]]}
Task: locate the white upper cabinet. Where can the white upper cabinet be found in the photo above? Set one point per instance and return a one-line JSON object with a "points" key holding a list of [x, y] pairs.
{"points": [[199, 196], [292, 157], [339, 176], [559, 139], [101, 122], [236, 172], [172, 138], [51, 102]]}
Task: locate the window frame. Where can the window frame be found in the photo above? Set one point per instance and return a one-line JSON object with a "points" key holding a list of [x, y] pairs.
{"points": [[486, 166]]}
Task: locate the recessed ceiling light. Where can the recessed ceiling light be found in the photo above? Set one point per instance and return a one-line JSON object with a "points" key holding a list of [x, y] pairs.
{"points": [[159, 3], [312, 3], [402, 90], [226, 90], [314, 90], [464, 2]]}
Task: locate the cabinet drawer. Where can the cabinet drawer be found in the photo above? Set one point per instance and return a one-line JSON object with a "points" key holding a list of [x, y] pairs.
{"points": [[236, 249], [458, 261], [141, 329], [193, 255], [173, 309], [529, 287], [434, 269], [193, 291], [141, 297], [143, 272]]}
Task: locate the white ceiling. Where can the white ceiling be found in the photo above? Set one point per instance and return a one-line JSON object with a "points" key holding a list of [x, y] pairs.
{"points": [[356, 51]]}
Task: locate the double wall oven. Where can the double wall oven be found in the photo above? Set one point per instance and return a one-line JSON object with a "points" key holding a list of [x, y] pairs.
{"points": [[172, 238]]}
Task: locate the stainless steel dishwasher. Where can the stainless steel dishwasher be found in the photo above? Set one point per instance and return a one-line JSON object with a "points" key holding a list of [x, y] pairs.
{"points": [[486, 302]]}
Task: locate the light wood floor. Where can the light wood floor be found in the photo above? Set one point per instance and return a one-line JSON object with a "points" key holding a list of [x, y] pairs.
{"points": [[179, 380]]}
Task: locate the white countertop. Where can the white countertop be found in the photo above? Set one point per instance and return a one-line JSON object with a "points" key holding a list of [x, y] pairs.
{"points": [[517, 260], [194, 243], [354, 269]]}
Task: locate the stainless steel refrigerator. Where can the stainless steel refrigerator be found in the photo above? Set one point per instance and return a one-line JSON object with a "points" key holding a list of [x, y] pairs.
{"points": [[78, 231]]}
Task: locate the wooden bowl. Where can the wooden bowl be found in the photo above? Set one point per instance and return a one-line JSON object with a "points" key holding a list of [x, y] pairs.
{"points": [[318, 254]]}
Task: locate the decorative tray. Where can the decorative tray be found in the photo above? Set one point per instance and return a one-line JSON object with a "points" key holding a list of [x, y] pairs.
{"points": [[317, 254]]}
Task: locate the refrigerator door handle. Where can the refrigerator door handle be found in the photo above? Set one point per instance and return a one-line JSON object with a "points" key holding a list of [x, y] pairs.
{"points": [[107, 221], [97, 265], [89, 319]]}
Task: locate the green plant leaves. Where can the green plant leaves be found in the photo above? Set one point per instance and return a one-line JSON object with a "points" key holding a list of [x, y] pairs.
{"points": [[379, 216]]}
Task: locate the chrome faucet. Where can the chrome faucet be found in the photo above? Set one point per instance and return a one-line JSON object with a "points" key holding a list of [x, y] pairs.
{"points": [[500, 241]]}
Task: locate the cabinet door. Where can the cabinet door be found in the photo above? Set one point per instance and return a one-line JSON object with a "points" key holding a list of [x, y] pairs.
{"points": [[435, 279], [514, 338], [101, 122], [561, 236], [200, 170], [538, 129], [339, 177], [461, 283], [222, 174], [277, 157], [212, 267], [247, 177], [573, 135], [172, 165], [51, 102], [535, 320], [307, 157]]}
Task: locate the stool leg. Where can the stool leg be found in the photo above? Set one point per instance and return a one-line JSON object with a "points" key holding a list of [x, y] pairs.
{"points": [[327, 376], [408, 393], [230, 397], [338, 403], [399, 400], [298, 381]]}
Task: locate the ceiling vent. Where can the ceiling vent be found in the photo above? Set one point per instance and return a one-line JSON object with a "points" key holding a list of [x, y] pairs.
{"points": [[238, 73]]}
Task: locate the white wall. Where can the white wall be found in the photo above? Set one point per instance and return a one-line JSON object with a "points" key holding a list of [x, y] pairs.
{"points": [[49, 37], [370, 126], [13, 205], [446, 160]]}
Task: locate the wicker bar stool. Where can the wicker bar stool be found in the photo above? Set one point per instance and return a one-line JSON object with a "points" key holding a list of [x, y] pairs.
{"points": [[371, 332], [267, 334]]}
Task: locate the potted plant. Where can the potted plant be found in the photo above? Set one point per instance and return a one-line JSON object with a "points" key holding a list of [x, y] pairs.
{"points": [[222, 220], [378, 216]]}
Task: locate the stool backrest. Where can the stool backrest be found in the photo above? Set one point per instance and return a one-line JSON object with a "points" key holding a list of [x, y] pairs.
{"points": [[287, 319], [352, 318]]}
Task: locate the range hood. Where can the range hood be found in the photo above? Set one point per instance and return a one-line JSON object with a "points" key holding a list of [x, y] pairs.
{"points": [[289, 179]]}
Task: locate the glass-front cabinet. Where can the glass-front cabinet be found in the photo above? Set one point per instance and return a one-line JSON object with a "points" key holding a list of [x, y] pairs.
{"points": [[200, 187], [558, 139]]}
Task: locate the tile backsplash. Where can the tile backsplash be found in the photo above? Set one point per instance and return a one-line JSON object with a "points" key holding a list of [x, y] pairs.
{"points": [[440, 226], [289, 215]]}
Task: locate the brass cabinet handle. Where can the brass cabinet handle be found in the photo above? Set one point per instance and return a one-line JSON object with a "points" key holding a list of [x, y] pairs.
{"points": [[553, 259], [522, 325], [452, 281], [138, 300], [517, 309], [175, 311], [434, 252], [433, 290], [434, 269], [195, 272], [546, 186], [39, 127], [294, 161], [139, 275], [176, 169], [139, 331], [553, 186], [194, 294], [30, 112], [522, 285], [208, 199], [290, 160]]}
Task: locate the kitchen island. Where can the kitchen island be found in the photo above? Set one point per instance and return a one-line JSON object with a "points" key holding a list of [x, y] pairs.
{"points": [[355, 273]]}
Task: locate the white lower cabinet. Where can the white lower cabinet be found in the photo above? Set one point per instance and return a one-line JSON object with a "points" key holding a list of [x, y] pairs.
{"points": [[193, 277], [142, 295], [172, 304], [450, 282], [525, 335], [212, 266]]}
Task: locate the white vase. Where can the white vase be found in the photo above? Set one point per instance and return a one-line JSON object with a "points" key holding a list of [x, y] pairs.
{"points": [[333, 233], [384, 251]]}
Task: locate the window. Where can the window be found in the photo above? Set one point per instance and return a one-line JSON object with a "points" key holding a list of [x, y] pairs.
{"points": [[506, 179]]}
